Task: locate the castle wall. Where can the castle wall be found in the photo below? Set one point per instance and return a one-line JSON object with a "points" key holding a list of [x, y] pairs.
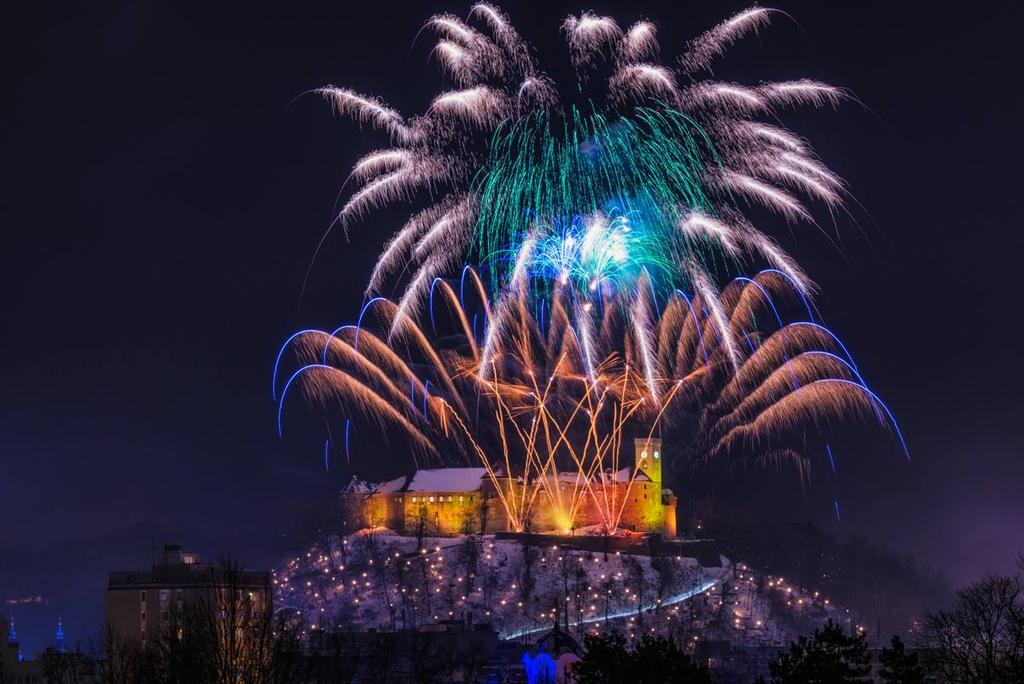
{"points": [[642, 506], [643, 509], [441, 514]]}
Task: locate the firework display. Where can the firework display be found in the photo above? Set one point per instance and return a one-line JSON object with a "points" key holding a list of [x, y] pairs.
{"points": [[503, 160], [534, 396], [598, 235]]}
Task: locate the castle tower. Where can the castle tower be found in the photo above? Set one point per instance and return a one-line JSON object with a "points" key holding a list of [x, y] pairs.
{"points": [[58, 637], [648, 457]]}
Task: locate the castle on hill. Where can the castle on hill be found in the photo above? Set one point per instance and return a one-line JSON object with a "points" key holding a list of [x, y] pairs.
{"points": [[451, 501]]}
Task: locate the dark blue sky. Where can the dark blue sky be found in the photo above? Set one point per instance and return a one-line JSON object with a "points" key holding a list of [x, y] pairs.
{"points": [[161, 199]]}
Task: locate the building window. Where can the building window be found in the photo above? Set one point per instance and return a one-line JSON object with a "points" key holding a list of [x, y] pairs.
{"points": [[431, 499], [142, 596], [414, 499], [461, 498]]}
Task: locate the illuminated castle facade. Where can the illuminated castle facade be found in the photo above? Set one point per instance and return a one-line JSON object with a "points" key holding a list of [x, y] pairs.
{"points": [[450, 501]]}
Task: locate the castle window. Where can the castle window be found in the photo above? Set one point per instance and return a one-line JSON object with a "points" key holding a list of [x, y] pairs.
{"points": [[461, 498], [431, 499], [414, 499]]}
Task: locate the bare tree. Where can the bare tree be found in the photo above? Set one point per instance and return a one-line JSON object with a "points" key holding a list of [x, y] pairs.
{"points": [[484, 511], [982, 638], [428, 659], [122, 659], [528, 546], [66, 668], [223, 633], [421, 526], [468, 561], [637, 575]]}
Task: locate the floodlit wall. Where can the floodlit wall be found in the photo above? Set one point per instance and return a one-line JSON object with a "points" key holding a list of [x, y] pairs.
{"points": [[639, 507]]}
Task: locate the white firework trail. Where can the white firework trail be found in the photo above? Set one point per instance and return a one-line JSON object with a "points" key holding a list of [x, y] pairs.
{"points": [[381, 161], [480, 105], [697, 226], [770, 196], [438, 156], [710, 298], [639, 43], [802, 92], [364, 109], [730, 96], [397, 250], [639, 80], [588, 33], [713, 43]]}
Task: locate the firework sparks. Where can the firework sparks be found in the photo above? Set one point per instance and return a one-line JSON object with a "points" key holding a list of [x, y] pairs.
{"points": [[546, 411], [590, 222], [517, 158]]}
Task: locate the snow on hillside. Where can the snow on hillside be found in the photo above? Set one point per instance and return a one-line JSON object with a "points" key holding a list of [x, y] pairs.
{"points": [[379, 580]]}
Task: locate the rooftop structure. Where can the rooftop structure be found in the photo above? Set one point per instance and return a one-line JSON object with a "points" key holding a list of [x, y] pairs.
{"points": [[141, 602], [449, 501]]}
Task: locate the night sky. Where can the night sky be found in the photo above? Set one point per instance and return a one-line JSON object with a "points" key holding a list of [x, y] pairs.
{"points": [[162, 195]]}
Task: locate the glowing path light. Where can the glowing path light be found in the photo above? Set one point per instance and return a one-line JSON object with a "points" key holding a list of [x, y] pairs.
{"points": [[626, 612]]}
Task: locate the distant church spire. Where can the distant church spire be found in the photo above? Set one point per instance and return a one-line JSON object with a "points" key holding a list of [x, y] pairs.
{"points": [[12, 634], [59, 636]]}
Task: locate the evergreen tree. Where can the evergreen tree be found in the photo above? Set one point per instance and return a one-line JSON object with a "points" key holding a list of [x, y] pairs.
{"points": [[655, 660], [829, 656], [898, 666]]}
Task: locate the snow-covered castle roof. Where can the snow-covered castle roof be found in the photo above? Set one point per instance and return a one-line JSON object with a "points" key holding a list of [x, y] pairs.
{"points": [[464, 480], [433, 480], [447, 480]]}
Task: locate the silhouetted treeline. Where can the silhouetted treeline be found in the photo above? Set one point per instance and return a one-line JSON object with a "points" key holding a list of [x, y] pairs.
{"points": [[981, 637], [651, 660], [889, 591]]}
